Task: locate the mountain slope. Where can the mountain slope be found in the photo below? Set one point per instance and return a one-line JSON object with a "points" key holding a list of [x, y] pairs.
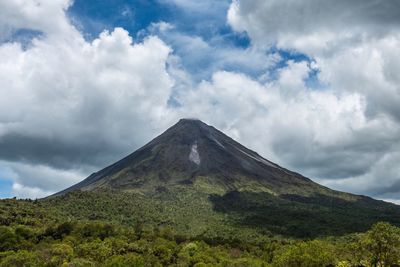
{"points": [[200, 181]]}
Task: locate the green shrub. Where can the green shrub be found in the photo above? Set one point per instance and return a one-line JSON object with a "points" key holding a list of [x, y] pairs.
{"points": [[383, 245], [20, 258], [8, 239], [305, 254]]}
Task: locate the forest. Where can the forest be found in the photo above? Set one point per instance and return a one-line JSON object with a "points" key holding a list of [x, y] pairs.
{"points": [[40, 233]]}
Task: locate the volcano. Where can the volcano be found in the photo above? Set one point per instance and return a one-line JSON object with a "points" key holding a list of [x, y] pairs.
{"points": [[196, 173], [192, 152]]}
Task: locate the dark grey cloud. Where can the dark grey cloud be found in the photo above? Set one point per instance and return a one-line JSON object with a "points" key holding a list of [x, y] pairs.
{"points": [[350, 157], [269, 21], [60, 153]]}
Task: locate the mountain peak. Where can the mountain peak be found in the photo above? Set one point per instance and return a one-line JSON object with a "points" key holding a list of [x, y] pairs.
{"points": [[185, 123], [186, 132], [190, 120]]}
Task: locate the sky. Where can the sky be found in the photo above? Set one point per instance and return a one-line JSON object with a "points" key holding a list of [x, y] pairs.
{"points": [[311, 85]]}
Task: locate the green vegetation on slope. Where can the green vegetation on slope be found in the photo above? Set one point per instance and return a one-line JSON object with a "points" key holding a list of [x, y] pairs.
{"points": [[239, 215], [126, 229]]}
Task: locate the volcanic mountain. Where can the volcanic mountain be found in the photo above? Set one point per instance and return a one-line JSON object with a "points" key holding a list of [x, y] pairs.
{"points": [[195, 177], [193, 153]]}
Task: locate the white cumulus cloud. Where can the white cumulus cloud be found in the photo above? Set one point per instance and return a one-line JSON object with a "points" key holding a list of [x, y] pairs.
{"points": [[72, 104]]}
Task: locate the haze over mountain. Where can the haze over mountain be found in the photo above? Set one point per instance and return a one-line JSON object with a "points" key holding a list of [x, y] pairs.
{"points": [[192, 163]]}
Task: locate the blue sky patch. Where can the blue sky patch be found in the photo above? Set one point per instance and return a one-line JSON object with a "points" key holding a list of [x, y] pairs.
{"points": [[5, 188], [93, 17], [199, 32]]}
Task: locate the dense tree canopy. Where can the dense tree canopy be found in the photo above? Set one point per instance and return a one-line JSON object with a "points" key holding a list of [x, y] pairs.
{"points": [[33, 233]]}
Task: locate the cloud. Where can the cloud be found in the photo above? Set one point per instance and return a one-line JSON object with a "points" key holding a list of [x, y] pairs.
{"points": [[21, 191], [368, 68], [47, 16], [201, 57], [43, 177], [380, 181], [64, 98], [351, 143], [74, 106], [314, 26]]}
